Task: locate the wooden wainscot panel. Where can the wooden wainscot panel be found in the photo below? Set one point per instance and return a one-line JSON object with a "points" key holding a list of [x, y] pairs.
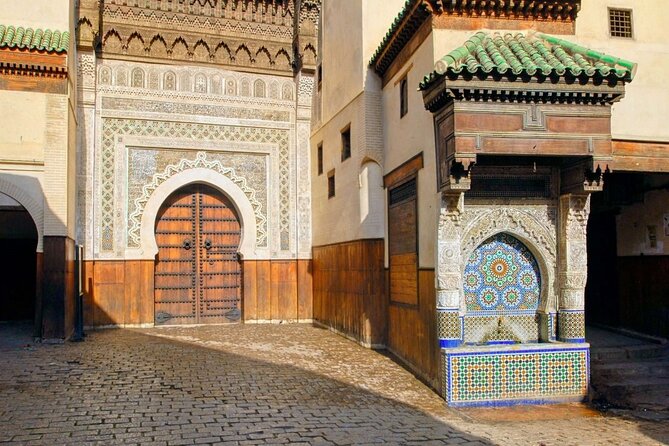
{"points": [[579, 125], [250, 291], [488, 122], [109, 294], [139, 298], [527, 145], [263, 280], [349, 292], [284, 290], [305, 300]]}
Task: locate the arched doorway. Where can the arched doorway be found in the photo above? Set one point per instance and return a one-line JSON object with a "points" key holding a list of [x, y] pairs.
{"points": [[18, 241], [198, 273]]}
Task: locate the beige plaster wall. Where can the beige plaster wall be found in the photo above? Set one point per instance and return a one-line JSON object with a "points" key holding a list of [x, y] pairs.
{"points": [[636, 223], [337, 219], [341, 55], [405, 137], [640, 115], [351, 33], [45, 14], [24, 126]]}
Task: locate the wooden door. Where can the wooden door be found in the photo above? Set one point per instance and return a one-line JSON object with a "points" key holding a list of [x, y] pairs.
{"points": [[403, 243], [198, 274]]}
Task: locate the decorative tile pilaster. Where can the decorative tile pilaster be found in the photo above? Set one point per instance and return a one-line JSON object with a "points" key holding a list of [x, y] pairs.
{"points": [[573, 266], [449, 276]]}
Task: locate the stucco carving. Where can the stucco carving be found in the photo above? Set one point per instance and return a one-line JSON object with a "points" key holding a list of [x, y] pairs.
{"points": [[207, 115], [200, 161], [574, 213]]}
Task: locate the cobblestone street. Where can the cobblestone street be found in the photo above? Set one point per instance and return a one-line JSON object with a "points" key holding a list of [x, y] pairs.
{"points": [[258, 384]]}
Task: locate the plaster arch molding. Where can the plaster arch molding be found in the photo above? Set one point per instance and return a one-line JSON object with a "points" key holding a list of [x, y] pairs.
{"points": [[33, 207], [533, 233], [148, 247]]}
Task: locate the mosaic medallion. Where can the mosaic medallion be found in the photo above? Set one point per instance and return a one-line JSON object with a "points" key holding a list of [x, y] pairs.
{"points": [[502, 275]]}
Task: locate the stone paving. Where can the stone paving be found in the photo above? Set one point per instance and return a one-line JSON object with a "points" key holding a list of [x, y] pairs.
{"points": [[258, 384]]}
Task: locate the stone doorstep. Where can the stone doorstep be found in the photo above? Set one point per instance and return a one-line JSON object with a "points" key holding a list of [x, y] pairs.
{"points": [[611, 370], [612, 354]]}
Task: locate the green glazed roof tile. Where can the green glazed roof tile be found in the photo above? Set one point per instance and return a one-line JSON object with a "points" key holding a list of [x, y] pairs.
{"points": [[534, 55], [34, 39]]}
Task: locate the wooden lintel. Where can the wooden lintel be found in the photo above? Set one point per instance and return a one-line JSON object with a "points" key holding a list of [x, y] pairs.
{"points": [[405, 170], [640, 156]]}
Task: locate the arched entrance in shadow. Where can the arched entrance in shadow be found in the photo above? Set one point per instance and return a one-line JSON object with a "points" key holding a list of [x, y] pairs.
{"points": [[18, 243], [198, 273]]}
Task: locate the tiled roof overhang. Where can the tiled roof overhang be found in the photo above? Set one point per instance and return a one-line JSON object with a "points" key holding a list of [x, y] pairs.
{"points": [[416, 12], [28, 54], [531, 67], [34, 39]]}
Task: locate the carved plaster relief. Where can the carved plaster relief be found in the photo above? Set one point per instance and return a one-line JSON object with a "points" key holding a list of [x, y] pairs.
{"points": [[574, 213], [171, 123]]}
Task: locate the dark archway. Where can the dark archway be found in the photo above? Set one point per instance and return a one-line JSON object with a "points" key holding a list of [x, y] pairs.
{"points": [[18, 243]]}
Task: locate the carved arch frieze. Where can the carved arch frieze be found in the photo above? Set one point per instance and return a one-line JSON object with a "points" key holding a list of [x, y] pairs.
{"points": [[179, 49], [135, 45], [158, 47], [243, 56], [263, 58], [201, 51]]}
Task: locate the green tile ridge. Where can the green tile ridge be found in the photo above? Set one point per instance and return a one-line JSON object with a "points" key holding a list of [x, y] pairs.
{"points": [[532, 54], [34, 39], [604, 59]]}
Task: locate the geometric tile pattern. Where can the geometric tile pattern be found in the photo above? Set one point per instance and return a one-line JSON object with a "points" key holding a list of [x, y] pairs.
{"points": [[502, 275], [116, 127], [449, 325], [509, 327], [571, 326], [508, 377]]}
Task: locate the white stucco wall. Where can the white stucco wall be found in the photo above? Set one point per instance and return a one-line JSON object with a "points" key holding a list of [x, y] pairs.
{"points": [[640, 114], [45, 14]]}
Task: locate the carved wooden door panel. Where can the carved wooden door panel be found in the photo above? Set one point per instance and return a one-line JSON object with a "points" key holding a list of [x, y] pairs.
{"points": [[198, 275], [219, 234]]}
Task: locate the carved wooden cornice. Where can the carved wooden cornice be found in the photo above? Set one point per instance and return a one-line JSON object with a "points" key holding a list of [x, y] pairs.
{"points": [[26, 70]]}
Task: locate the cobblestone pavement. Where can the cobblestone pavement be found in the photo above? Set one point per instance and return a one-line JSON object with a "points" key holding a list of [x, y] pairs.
{"points": [[258, 384]]}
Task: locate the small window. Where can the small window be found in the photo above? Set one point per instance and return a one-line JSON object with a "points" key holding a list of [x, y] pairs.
{"points": [[404, 97], [319, 74], [346, 144], [319, 155], [331, 184], [620, 23]]}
